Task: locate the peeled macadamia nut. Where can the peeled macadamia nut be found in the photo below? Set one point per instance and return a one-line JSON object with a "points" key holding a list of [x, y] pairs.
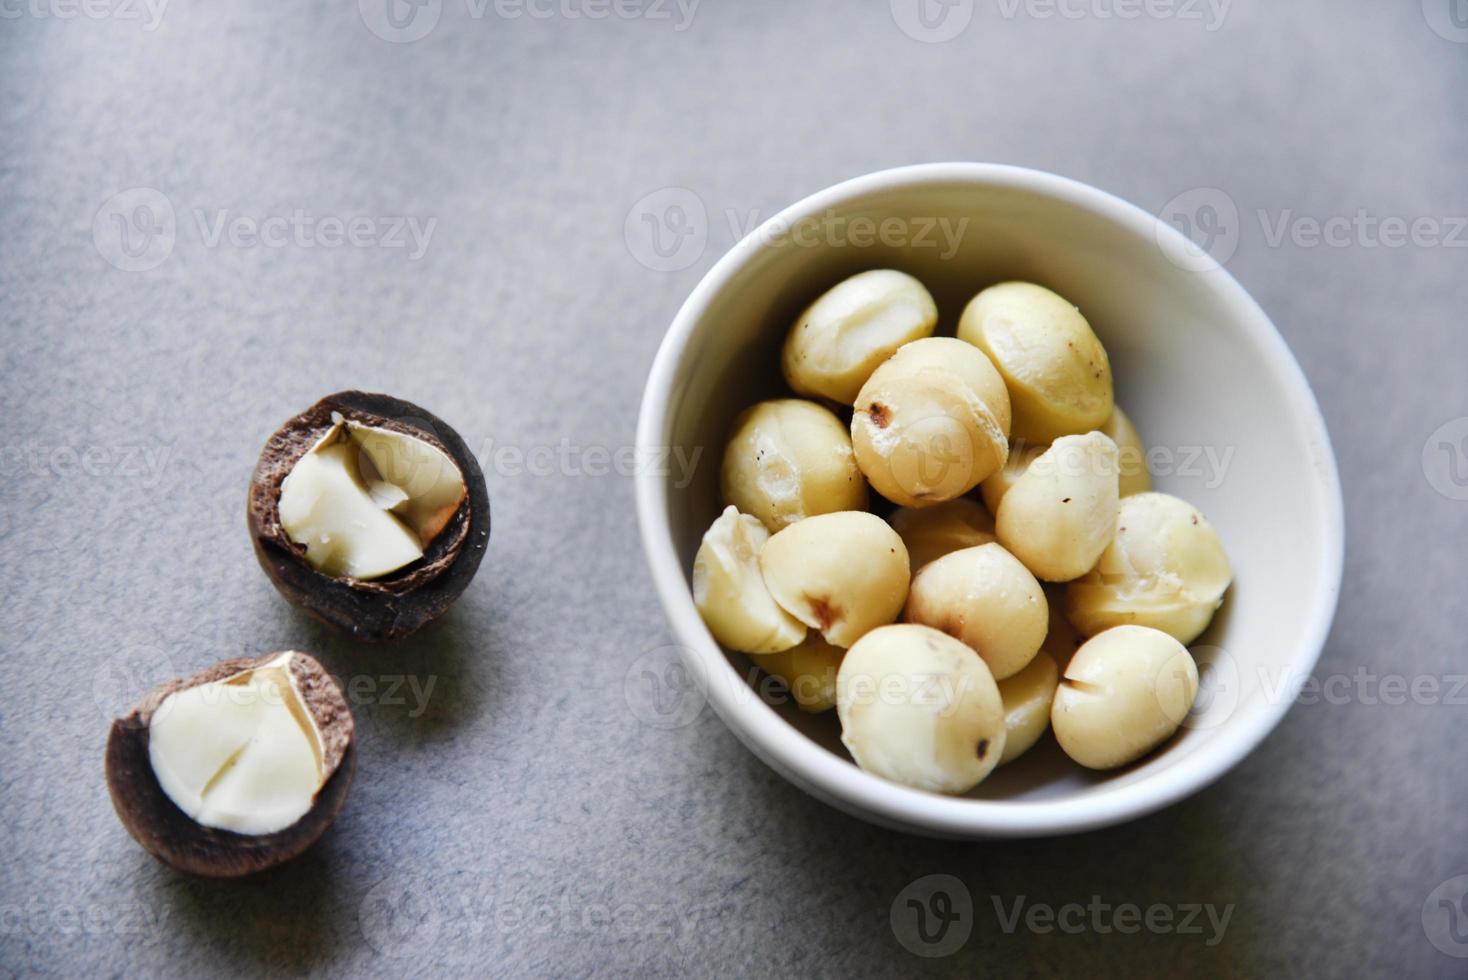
{"points": [[841, 338], [997, 484], [984, 597], [1063, 639], [236, 769], [931, 422], [1166, 568], [1131, 454], [1027, 697], [932, 532], [808, 670], [729, 588], [791, 459], [1061, 513], [1124, 693], [364, 501], [920, 708], [1057, 373], [240, 753], [842, 574], [370, 513]]}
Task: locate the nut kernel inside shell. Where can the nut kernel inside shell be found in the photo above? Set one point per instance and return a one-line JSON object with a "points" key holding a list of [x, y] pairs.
{"points": [[364, 501], [241, 753]]}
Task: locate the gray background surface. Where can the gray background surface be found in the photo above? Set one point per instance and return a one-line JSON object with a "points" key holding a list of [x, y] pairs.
{"points": [[522, 816]]}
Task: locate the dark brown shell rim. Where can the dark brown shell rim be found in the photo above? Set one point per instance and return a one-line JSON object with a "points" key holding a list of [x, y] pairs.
{"points": [[172, 836], [397, 605]]}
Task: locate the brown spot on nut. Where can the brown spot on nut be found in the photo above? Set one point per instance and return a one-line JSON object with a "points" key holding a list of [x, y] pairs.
{"points": [[880, 415], [825, 611]]}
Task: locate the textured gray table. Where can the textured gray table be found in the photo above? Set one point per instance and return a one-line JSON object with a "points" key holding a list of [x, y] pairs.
{"points": [[518, 816]]}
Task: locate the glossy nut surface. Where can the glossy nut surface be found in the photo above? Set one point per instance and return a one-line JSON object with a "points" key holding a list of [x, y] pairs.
{"points": [[1057, 372], [842, 574], [1166, 568], [920, 708], [1027, 699], [986, 598], [1061, 513], [932, 532], [839, 340], [790, 459], [1125, 692], [729, 588], [808, 670], [1131, 453], [931, 422]]}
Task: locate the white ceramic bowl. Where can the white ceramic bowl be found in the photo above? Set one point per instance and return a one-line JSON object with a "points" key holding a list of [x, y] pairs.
{"points": [[1197, 364]]}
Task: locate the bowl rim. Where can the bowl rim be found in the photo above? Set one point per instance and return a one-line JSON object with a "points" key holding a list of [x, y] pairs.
{"points": [[836, 780]]}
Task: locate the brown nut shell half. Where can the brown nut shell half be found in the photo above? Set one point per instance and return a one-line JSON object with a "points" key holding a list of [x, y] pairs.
{"points": [[397, 605], [172, 836]]}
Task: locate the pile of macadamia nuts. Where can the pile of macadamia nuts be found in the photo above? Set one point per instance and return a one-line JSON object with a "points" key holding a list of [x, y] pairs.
{"points": [[950, 634]]}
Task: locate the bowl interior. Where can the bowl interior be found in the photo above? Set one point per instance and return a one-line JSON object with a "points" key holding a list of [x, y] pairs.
{"points": [[1214, 392]]}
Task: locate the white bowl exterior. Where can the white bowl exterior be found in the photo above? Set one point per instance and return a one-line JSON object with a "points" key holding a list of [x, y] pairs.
{"points": [[1197, 364]]}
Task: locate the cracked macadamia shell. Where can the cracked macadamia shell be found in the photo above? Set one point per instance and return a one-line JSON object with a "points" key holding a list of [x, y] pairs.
{"points": [[920, 708], [158, 823], [1166, 568], [729, 588], [932, 532], [808, 669], [1057, 372], [841, 338], [1027, 697], [1061, 513], [790, 459], [986, 598], [842, 574], [931, 422], [386, 607], [1124, 693]]}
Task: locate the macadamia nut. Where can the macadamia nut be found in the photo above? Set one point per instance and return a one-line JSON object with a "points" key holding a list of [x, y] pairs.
{"points": [[920, 708], [931, 422], [1131, 454], [1027, 697], [1057, 372], [808, 669], [242, 753], [1061, 513], [843, 574], [1124, 693], [1166, 568], [791, 459], [841, 338], [997, 484], [932, 532], [729, 588], [984, 597]]}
